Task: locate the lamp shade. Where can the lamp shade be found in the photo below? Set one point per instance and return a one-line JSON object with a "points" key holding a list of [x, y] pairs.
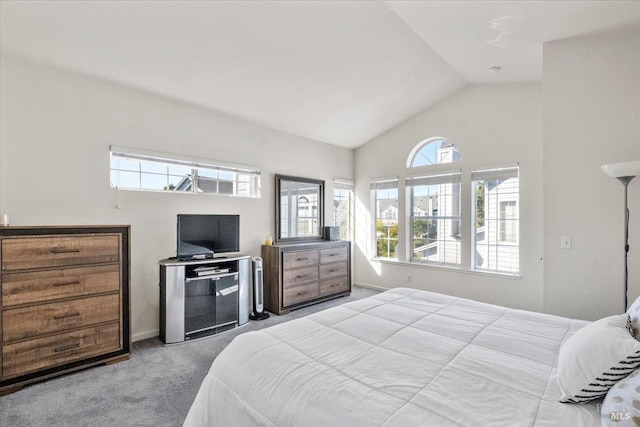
{"points": [[625, 169]]}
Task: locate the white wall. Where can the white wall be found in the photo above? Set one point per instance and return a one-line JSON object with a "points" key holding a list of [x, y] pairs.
{"points": [[591, 117], [56, 128], [491, 125]]}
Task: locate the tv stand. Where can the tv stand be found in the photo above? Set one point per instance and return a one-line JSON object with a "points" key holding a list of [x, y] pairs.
{"points": [[203, 297]]}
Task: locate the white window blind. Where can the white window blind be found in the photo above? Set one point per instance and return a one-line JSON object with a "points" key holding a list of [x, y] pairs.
{"points": [[447, 178], [342, 184], [505, 172], [384, 183]]}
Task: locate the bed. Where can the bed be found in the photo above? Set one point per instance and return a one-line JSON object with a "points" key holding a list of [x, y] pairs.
{"points": [[399, 358]]}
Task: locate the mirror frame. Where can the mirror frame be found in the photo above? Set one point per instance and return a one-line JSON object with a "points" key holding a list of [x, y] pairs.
{"points": [[319, 236]]}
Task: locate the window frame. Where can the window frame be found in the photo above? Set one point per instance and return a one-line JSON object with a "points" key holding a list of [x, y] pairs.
{"points": [[245, 180], [425, 143], [426, 180], [346, 185], [377, 185], [484, 175]]}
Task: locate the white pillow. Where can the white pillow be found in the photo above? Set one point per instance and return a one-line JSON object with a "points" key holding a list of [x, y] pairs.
{"points": [[621, 407], [634, 314], [595, 358]]}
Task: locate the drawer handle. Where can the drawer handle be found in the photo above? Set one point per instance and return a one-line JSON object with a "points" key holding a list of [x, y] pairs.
{"points": [[332, 270], [303, 293], [76, 282], [335, 285], [334, 254], [302, 259], [302, 276], [67, 347], [62, 250], [64, 316]]}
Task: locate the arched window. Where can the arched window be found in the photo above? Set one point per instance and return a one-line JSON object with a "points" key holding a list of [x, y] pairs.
{"points": [[433, 151]]}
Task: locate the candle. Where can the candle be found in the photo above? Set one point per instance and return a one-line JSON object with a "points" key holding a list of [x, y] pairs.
{"points": [[5, 220]]}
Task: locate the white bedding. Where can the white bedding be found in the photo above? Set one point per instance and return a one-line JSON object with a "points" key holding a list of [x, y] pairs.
{"points": [[400, 358]]}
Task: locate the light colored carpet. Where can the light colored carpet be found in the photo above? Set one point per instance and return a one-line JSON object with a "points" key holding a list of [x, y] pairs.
{"points": [[155, 387]]}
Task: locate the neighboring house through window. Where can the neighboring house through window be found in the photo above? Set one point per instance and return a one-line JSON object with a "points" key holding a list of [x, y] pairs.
{"points": [[435, 203], [433, 151], [134, 169], [496, 220], [307, 215], [343, 207], [385, 194], [434, 218], [435, 222], [508, 224]]}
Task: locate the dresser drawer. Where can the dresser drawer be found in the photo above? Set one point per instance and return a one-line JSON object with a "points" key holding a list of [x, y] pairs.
{"points": [[23, 253], [24, 288], [334, 254], [300, 259], [333, 270], [299, 275], [300, 293], [21, 323], [333, 286], [30, 356]]}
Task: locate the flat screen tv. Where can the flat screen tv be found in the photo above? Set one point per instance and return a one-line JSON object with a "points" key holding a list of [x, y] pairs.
{"points": [[200, 236]]}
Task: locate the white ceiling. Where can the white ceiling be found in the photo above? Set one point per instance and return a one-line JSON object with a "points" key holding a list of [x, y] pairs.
{"points": [[340, 72]]}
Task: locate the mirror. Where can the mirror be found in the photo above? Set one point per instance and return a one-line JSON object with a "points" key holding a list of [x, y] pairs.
{"points": [[299, 209]]}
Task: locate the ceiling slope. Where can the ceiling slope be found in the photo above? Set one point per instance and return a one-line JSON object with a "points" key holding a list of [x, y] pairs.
{"points": [[473, 36], [340, 72], [336, 72]]}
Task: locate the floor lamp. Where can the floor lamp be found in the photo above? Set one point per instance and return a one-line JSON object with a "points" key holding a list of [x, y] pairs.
{"points": [[624, 172]]}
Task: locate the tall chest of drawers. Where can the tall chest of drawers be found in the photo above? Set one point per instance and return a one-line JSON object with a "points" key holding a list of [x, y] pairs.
{"points": [[297, 275], [64, 300]]}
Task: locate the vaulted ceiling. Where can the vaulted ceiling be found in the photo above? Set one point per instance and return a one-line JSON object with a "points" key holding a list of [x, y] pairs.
{"points": [[339, 72]]}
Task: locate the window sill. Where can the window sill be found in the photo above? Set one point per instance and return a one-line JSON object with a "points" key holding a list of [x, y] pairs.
{"points": [[446, 267], [259, 196]]}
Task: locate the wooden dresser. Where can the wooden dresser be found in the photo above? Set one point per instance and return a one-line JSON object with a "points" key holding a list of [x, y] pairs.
{"points": [[297, 275], [65, 300]]}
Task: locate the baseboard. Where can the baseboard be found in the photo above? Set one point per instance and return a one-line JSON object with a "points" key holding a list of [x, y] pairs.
{"points": [[150, 334], [369, 286], [144, 335]]}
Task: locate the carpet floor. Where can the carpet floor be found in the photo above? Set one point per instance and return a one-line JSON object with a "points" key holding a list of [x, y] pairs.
{"points": [[155, 387]]}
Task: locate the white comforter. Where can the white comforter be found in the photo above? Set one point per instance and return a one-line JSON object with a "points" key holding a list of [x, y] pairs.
{"points": [[400, 358]]}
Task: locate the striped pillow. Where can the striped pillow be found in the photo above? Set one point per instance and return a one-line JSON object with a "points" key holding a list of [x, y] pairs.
{"points": [[595, 358]]}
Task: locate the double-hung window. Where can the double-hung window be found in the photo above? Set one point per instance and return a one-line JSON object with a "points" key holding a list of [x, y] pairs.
{"points": [[385, 193], [496, 224], [435, 218], [342, 207], [135, 169]]}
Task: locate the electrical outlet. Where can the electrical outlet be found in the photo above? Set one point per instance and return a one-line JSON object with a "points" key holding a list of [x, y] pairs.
{"points": [[565, 242], [409, 278]]}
